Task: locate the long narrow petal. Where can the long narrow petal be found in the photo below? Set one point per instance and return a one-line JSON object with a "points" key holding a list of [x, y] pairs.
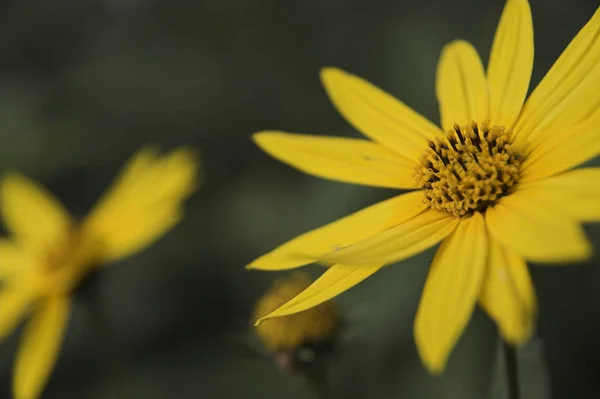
{"points": [[507, 294], [13, 258], [149, 179], [344, 159], [13, 306], [537, 231], [40, 347], [141, 233], [461, 86], [378, 115], [562, 151], [451, 292], [575, 193], [31, 213], [309, 247], [144, 203], [568, 93], [397, 243], [511, 63], [139, 165], [334, 281]]}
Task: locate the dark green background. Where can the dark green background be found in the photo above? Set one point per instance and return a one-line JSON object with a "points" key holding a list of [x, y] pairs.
{"points": [[84, 83]]}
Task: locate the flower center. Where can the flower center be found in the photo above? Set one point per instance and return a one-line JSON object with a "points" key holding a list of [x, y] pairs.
{"points": [[469, 169], [61, 255], [67, 262]]}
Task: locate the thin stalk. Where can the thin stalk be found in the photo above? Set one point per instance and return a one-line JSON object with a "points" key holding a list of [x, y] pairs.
{"points": [[512, 371]]}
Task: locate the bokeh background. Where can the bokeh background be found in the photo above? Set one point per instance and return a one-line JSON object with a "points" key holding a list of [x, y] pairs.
{"points": [[84, 83]]}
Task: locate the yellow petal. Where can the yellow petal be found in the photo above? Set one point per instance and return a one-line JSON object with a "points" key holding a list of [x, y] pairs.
{"points": [[397, 243], [575, 193], [378, 115], [568, 93], [139, 164], [343, 159], [563, 151], [40, 347], [141, 233], [537, 231], [308, 247], [144, 203], [461, 86], [507, 294], [334, 281], [176, 176], [13, 258], [13, 305], [31, 213], [511, 62], [451, 291]]}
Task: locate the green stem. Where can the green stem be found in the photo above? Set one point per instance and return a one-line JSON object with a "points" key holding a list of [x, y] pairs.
{"points": [[512, 371]]}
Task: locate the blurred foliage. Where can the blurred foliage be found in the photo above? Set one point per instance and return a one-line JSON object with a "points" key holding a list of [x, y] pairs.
{"points": [[85, 83]]}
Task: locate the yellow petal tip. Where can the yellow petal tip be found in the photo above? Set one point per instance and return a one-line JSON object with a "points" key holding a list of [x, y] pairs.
{"points": [[456, 44], [330, 73], [436, 369], [260, 137], [10, 179], [188, 156], [433, 362], [433, 359], [151, 149]]}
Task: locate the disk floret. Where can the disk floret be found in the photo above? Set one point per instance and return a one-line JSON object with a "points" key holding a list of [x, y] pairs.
{"points": [[469, 169]]}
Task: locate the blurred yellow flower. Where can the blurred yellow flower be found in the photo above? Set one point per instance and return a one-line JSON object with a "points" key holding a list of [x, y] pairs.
{"points": [[494, 184], [313, 325], [49, 254], [298, 340]]}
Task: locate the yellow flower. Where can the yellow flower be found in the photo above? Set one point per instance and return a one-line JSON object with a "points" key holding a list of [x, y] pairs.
{"points": [[494, 184], [291, 332], [49, 253]]}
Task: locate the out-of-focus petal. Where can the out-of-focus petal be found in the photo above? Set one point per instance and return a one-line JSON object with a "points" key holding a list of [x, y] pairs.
{"points": [[451, 292], [145, 202], [507, 294], [563, 151], [40, 347], [537, 231], [31, 213], [575, 193], [568, 94]]}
